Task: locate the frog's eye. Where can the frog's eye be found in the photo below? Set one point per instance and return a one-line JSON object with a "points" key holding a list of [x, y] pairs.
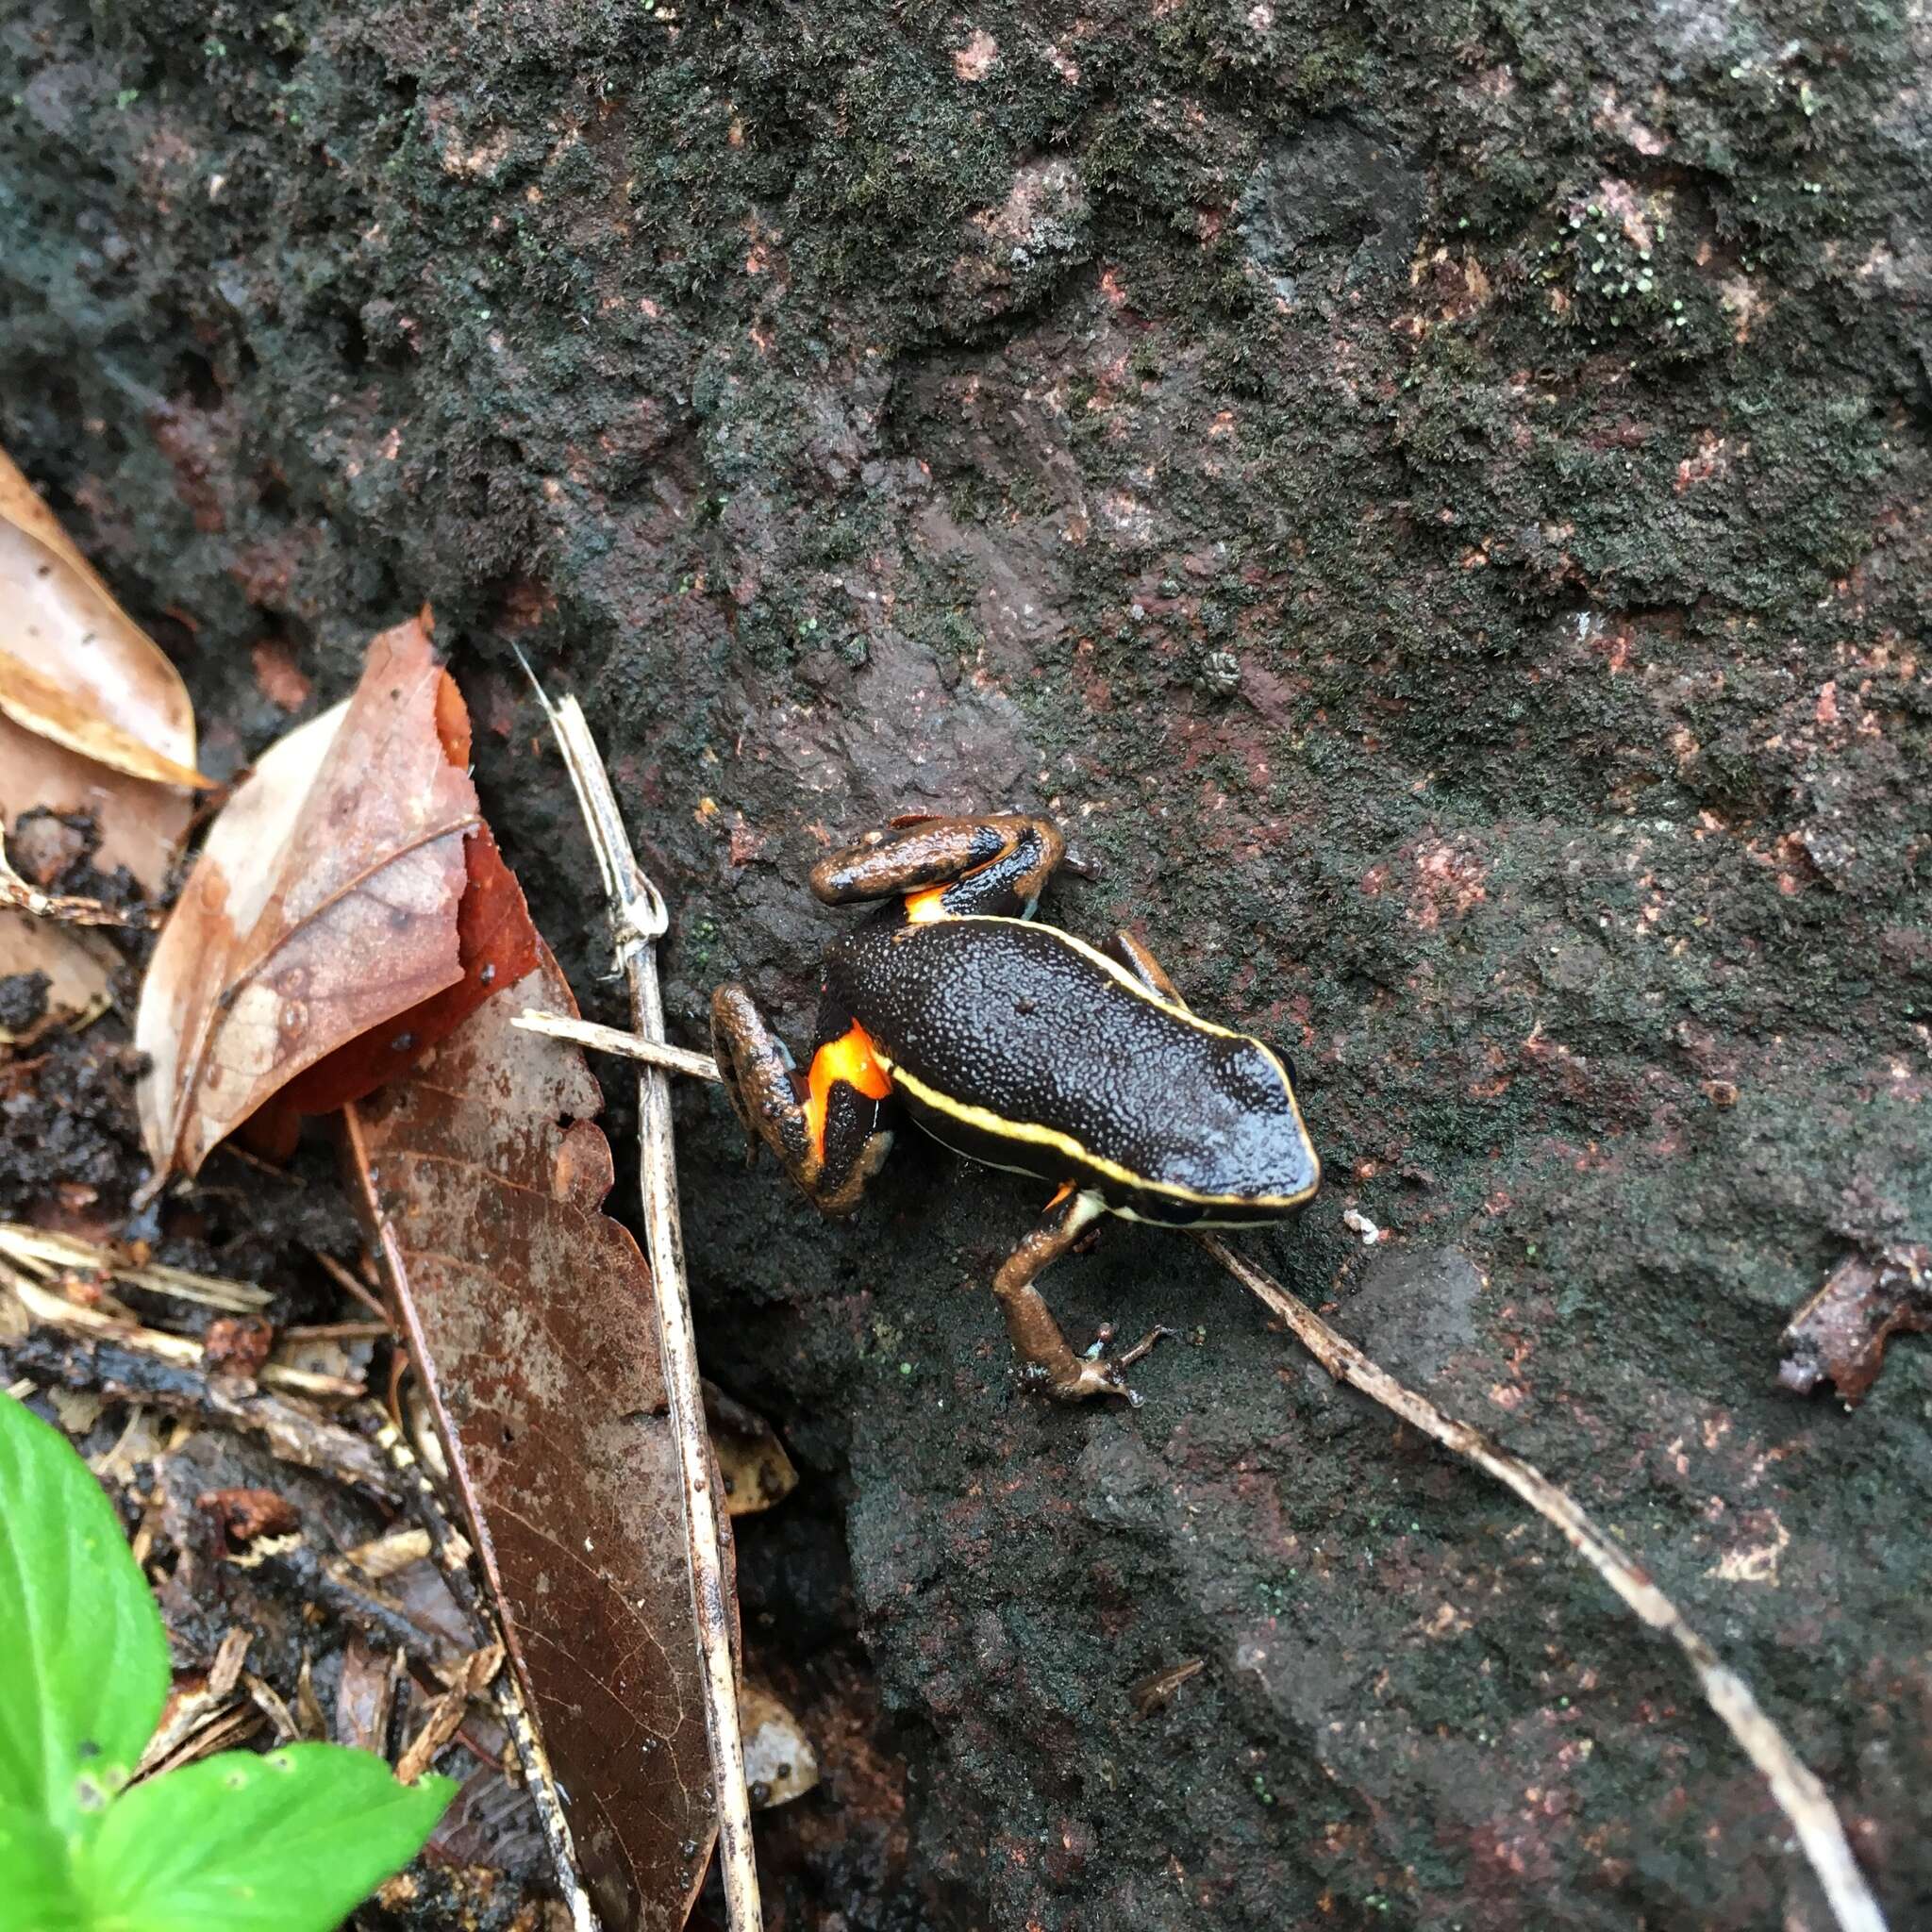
{"points": [[1249, 1076]]}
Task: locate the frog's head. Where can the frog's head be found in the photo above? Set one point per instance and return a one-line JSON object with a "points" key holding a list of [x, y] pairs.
{"points": [[1254, 1143]]}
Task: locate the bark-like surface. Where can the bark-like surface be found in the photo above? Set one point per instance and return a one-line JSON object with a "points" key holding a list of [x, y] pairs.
{"points": [[1435, 497]]}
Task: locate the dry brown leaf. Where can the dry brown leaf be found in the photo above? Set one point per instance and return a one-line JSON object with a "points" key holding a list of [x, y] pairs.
{"points": [[348, 907], [365, 1696], [75, 668], [779, 1763], [528, 1318]]}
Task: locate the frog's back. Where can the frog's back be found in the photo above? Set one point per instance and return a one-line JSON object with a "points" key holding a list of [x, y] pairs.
{"points": [[1025, 1047]]}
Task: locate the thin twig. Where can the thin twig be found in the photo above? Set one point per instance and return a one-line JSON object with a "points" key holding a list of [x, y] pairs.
{"points": [[48, 1254], [637, 918], [452, 1553], [654, 1053], [355, 1289], [1797, 1792], [66, 909]]}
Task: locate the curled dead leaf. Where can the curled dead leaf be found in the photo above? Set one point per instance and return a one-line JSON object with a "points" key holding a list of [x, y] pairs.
{"points": [[75, 668], [348, 910], [528, 1318]]}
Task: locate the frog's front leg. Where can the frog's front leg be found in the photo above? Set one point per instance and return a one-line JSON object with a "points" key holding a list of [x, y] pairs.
{"points": [[825, 1125], [1036, 1336]]}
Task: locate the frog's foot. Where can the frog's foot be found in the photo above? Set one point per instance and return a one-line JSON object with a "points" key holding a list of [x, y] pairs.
{"points": [[757, 1070], [1159, 1332], [1087, 1380], [1131, 954], [1096, 1372], [1037, 1338]]}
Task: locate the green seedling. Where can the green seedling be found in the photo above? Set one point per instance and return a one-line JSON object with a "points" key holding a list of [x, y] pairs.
{"points": [[288, 1841]]}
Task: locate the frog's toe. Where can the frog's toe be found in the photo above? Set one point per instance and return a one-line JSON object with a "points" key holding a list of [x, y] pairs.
{"points": [[1089, 1378], [1159, 1332]]}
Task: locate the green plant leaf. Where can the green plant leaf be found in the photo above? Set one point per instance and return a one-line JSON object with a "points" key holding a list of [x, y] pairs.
{"points": [[286, 1842], [83, 1659], [35, 1887]]}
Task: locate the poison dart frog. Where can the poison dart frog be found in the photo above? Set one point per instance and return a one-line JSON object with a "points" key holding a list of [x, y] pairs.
{"points": [[1022, 1047]]}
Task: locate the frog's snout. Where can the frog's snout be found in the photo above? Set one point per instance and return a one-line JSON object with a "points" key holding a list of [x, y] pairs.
{"points": [[1266, 1142]]}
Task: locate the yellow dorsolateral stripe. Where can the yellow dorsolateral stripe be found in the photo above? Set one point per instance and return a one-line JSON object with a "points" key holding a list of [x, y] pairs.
{"points": [[986, 1122]]}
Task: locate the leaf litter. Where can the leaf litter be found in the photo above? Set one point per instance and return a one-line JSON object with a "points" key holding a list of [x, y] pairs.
{"points": [[94, 722], [75, 668], [483, 1174], [348, 910], [1841, 1334], [348, 917]]}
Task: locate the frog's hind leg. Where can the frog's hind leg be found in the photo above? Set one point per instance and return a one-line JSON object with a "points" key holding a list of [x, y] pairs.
{"points": [[996, 865], [1131, 954], [1036, 1336], [826, 1125]]}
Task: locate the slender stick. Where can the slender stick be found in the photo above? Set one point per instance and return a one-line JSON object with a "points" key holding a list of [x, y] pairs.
{"points": [[633, 1047], [47, 1254], [118, 1365], [637, 919], [1798, 1793]]}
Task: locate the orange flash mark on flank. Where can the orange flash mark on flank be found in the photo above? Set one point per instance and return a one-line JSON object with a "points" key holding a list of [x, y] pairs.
{"points": [[1066, 1189], [921, 908], [848, 1058]]}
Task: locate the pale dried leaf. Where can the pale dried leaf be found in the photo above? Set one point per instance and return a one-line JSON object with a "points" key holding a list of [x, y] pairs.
{"points": [[752, 1460], [308, 1711], [779, 1763], [78, 1409], [141, 826], [386, 1555], [230, 1654], [75, 668], [195, 1724], [269, 1700], [79, 966]]}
